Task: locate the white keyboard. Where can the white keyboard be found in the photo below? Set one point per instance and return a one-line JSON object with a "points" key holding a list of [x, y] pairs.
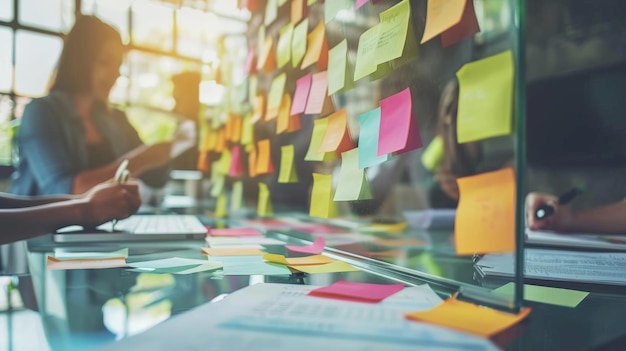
{"points": [[161, 224]]}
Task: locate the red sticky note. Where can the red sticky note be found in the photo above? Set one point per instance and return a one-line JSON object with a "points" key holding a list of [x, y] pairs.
{"points": [[398, 131], [301, 95], [360, 3], [235, 232], [236, 168], [467, 26], [318, 95], [359, 292], [316, 248]]}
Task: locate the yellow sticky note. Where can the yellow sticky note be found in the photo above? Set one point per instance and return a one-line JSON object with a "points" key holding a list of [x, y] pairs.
{"points": [[271, 12], [297, 261], [470, 318], [319, 130], [433, 154], [299, 43], [485, 216], [283, 50], [275, 96], [264, 208], [337, 137], [441, 15], [352, 184], [221, 205], [218, 251], [317, 48], [224, 162], [298, 10], [485, 98], [333, 267], [322, 204], [217, 181], [394, 28], [264, 164], [332, 8], [287, 170], [282, 122], [338, 69], [311, 2], [259, 108], [366, 60], [247, 130], [236, 196]]}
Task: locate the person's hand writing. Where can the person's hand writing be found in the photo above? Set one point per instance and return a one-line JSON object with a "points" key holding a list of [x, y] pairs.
{"points": [[109, 201], [560, 220]]}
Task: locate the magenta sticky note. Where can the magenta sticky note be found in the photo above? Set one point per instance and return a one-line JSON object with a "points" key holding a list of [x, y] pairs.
{"points": [[398, 132], [360, 292], [318, 93], [316, 248], [301, 95], [360, 3], [236, 167], [235, 232]]}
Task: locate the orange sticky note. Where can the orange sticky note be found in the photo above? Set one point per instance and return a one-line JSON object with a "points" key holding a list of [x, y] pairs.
{"points": [[337, 136], [322, 204], [294, 124], [264, 207], [236, 167], [284, 114], [467, 317], [237, 128], [297, 261], [264, 163], [485, 216], [258, 110], [85, 263], [287, 173], [301, 95], [267, 57], [398, 127], [319, 102], [319, 130], [217, 251], [252, 161], [298, 10], [220, 143], [203, 162], [441, 15], [317, 48], [467, 27]]}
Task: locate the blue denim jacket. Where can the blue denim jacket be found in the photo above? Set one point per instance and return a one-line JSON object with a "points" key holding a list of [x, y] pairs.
{"points": [[52, 148]]}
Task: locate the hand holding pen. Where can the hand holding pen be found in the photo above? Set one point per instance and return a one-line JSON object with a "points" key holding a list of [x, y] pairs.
{"points": [[121, 176], [545, 211]]}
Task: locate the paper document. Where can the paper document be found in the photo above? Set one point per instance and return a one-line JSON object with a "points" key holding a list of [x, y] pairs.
{"points": [[275, 317], [576, 240], [576, 266]]}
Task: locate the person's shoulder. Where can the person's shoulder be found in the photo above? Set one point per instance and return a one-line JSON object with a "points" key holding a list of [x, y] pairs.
{"points": [[46, 106]]}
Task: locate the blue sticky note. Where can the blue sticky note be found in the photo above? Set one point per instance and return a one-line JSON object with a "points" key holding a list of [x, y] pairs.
{"points": [[368, 139]]}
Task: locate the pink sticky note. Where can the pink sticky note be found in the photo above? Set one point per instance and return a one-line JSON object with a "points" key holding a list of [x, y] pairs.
{"points": [[235, 232], [236, 167], [318, 93], [300, 97], [398, 129], [360, 3], [316, 248], [360, 292], [467, 26]]}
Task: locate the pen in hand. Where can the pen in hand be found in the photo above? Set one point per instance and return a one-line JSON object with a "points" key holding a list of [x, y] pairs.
{"points": [[121, 176], [565, 198]]}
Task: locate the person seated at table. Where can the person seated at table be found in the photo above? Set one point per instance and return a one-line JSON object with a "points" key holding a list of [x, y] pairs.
{"points": [[71, 139], [24, 217], [605, 219]]}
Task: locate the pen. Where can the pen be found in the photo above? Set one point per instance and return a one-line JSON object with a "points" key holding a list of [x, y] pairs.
{"points": [[121, 176], [565, 198]]}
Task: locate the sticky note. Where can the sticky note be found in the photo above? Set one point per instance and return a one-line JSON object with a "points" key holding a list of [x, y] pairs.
{"points": [[253, 88], [85, 263], [333, 267], [470, 318], [544, 294], [366, 60], [331, 8], [337, 137], [433, 154], [284, 114], [317, 48], [267, 57], [441, 15], [247, 130], [220, 143], [339, 74], [466, 27], [485, 216], [319, 130], [236, 167], [264, 208], [301, 95], [203, 162], [217, 251], [258, 110], [236, 232], [315, 248], [299, 42], [398, 127], [271, 12], [236, 196], [298, 10], [217, 182], [369, 123], [318, 101], [485, 98], [221, 206], [359, 4], [275, 96], [297, 261], [322, 204], [294, 124], [394, 30], [360, 292], [264, 164], [250, 64], [311, 2], [235, 127], [224, 162], [252, 156], [352, 184], [283, 49], [287, 172]]}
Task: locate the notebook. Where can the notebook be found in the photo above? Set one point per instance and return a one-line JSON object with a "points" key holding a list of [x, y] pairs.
{"points": [[137, 228]]}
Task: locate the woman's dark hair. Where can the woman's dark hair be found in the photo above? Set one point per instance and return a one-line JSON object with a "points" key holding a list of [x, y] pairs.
{"points": [[80, 50]]}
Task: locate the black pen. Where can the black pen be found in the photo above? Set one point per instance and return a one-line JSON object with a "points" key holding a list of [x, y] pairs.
{"points": [[565, 198]]}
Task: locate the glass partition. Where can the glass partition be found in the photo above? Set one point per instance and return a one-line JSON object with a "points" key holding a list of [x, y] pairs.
{"points": [[393, 130]]}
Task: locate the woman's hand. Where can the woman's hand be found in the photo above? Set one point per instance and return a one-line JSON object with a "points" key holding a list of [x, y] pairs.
{"points": [[561, 220], [108, 201], [448, 184]]}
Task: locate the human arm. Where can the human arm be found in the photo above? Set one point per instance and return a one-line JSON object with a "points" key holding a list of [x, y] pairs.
{"points": [[103, 203], [606, 219], [8, 201]]}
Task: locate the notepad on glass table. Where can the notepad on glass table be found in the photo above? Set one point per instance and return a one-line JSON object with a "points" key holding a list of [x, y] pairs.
{"points": [[138, 228], [586, 241]]}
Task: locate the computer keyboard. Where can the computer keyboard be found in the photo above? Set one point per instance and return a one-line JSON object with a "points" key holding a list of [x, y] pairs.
{"points": [[161, 224]]}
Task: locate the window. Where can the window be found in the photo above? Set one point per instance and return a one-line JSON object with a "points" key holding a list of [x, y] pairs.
{"points": [[54, 15], [6, 10], [6, 58], [114, 13], [153, 25], [36, 56]]}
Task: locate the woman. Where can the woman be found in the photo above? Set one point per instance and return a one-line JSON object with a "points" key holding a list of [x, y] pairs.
{"points": [[71, 140]]}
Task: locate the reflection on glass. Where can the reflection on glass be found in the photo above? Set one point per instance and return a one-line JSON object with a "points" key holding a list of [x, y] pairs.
{"points": [[196, 31], [112, 12], [55, 15], [36, 57], [6, 54], [6, 10], [152, 25], [153, 126]]}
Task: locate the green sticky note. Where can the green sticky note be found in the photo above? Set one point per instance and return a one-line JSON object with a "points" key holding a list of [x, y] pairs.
{"points": [[352, 184], [485, 98], [287, 170], [224, 162], [283, 48], [322, 204], [264, 208], [281, 2], [236, 196], [433, 154], [311, 2], [319, 130], [366, 59], [247, 130], [299, 42], [331, 8], [544, 294], [222, 204], [394, 26], [369, 123], [217, 181], [271, 12], [275, 96], [338, 67]]}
